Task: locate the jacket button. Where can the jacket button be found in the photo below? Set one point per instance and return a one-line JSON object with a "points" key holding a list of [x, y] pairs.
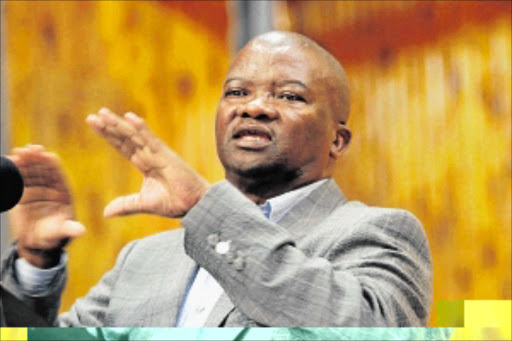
{"points": [[212, 239], [222, 247], [230, 257], [239, 263]]}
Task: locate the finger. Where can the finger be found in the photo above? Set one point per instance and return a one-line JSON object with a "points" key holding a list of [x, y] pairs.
{"points": [[133, 121], [72, 229], [131, 137], [114, 124], [142, 161], [24, 154], [28, 149], [43, 169], [99, 125], [123, 130], [101, 128], [50, 237], [14, 158], [39, 173], [41, 194], [32, 148], [107, 114], [118, 131], [35, 147], [129, 204], [131, 127], [96, 123], [30, 159], [146, 135], [55, 171], [118, 125], [49, 232], [127, 149], [31, 154]]}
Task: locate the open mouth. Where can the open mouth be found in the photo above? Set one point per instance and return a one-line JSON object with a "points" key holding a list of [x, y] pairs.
{"points": [[252, 134]]}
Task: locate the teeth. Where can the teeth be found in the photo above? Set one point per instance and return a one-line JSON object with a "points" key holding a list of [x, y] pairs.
{"points": [[254, 137], [252, 133]]}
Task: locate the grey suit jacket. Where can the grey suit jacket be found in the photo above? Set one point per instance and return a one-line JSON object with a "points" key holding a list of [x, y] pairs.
{"points": [[328, 262]]}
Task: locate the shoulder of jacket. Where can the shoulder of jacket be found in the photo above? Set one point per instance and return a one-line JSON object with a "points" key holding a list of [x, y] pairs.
{"points": [[162, 241], [359, 213], [167, 238], [357, 219]]}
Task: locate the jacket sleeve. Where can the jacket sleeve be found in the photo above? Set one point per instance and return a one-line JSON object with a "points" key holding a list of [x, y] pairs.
{"points": [[88, 311], [377, 274], [46, 304]]}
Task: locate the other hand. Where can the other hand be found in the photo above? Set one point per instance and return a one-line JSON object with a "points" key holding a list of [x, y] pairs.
{"points": [[43, 219]]}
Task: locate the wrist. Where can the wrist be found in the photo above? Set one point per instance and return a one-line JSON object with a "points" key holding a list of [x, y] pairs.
{"points": [[40, 258]]}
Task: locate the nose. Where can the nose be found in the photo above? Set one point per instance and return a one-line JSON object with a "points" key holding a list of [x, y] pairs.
{"points": [[259, 108]]}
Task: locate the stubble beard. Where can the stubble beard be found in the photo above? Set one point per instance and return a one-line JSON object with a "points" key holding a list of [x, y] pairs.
{"points": [[263, 180]]}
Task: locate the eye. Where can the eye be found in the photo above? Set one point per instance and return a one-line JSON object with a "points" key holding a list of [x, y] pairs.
{"points": [[235, 93], [289, 96]]}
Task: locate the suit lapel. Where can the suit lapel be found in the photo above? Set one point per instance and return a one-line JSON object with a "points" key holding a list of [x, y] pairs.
{"points": [[221, 309], [188, 268], [175, 272]]}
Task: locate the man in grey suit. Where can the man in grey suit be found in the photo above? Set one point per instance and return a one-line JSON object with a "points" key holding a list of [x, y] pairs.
{"points": [[276, 244]]}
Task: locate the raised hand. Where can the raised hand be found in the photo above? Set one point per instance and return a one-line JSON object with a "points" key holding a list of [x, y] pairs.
{"points": [[43, 219], [170, 187]]}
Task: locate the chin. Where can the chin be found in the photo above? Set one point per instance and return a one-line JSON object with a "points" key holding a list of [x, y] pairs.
{"points": [[252, 165], [257, 171], [267, 172]]}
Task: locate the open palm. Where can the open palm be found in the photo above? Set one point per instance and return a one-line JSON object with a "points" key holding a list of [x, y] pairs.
{"points": [[43, 219], [170, 187]]}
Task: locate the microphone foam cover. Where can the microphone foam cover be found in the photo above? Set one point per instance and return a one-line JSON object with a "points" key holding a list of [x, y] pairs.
{"points": [[11, 184]]}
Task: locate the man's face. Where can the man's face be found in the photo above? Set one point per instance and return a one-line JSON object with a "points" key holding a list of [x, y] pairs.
{"points": [[275, 113]]}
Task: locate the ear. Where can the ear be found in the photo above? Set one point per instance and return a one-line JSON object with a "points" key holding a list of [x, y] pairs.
{"points": [[341, 140]]}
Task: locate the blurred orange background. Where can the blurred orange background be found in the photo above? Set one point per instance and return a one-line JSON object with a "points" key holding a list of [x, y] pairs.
{"points": [[431, 114]]}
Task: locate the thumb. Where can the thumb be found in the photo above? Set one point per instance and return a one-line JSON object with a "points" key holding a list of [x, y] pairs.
{"points": [[72, 229], [129, 204]]}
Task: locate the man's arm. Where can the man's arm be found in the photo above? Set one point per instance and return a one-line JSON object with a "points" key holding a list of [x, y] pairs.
{"points": [[375, 275]]}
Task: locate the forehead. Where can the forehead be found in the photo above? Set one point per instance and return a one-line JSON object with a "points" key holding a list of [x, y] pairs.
{"points": [[262, 62]]}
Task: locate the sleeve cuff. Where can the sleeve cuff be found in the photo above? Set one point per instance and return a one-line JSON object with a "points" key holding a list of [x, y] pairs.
{"points": [[34, 280]]}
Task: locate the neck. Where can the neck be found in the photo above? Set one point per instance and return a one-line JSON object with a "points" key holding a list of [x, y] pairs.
{"points": [[260, 188]]}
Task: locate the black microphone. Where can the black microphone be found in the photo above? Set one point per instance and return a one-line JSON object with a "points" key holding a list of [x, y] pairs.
{"points": [[11, 184]]}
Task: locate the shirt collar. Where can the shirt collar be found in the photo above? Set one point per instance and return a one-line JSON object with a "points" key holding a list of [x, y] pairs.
{"points": [[275, 208]]}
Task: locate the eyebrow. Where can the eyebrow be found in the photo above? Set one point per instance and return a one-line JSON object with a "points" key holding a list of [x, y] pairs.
{"points": [[235, 79], [281, 83], [293, 81]]}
